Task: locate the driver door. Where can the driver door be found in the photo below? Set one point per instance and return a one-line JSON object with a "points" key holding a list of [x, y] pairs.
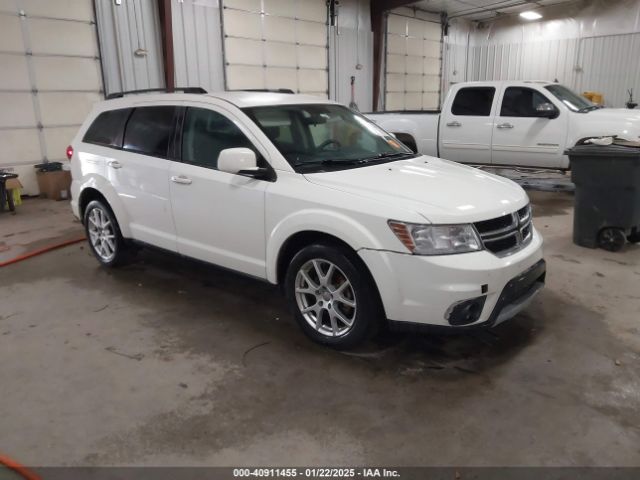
{"points": [[521, 137], [219, 216]]}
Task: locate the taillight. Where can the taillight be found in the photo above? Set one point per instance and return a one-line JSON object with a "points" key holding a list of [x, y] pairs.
{"points": [[69, 152]]}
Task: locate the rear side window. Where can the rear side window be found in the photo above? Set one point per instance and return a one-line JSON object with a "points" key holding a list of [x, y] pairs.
{"points": [[521, 102], [149, 130], [473, 101], [206, 133], [108, 128]]}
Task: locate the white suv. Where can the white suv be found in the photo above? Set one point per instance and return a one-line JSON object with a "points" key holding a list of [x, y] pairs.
{"points": [[305, 193]]}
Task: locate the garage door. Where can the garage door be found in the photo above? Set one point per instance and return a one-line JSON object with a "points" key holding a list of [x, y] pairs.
{"points": [[271, 44], [49, 77], [412, 78]]}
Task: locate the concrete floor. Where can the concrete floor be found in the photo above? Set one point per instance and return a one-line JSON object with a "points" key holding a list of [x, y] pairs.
{"points": [[169, 362], [36, 223]]}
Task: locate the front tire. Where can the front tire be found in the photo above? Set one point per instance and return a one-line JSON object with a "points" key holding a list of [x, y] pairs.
{"points": [[332, 296], [104, 235]]}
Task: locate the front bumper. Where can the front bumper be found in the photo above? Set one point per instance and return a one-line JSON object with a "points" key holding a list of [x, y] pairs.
{"points": [[421, 289]]}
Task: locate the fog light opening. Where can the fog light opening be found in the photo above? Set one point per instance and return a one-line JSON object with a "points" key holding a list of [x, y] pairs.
{"points": [[465, 312]]}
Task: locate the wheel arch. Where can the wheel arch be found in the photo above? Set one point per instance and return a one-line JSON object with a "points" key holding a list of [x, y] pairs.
{"points": [[304, 238], [98, 189]]}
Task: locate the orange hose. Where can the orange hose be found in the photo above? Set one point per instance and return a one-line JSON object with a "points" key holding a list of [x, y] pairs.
{"points": [[42, 250], [19, 469]]}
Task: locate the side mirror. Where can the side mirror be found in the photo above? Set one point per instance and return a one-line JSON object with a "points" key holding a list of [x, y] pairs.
{"points": [[234, 160], [241, 161], [547, 110]]}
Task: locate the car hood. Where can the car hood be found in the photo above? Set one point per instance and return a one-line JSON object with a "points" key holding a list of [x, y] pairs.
{"points": [[610, 121], [439, 190]]}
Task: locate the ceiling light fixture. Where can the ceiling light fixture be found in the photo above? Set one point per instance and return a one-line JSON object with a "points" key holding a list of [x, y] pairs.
{"points": [[530, 15]]}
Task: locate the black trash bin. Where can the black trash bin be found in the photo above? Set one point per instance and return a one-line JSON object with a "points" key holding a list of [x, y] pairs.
{"points": [[607, 195]]}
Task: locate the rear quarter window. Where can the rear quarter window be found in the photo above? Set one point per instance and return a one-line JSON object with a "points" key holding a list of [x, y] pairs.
{"points": [[108, 128], [473, 101]]}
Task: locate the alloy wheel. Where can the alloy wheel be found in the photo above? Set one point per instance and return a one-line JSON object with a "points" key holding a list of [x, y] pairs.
{"points": [[325, 297], [102, 234]]}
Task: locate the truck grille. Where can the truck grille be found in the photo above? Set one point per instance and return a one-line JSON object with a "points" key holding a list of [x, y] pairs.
{"points": [[507, 234]]}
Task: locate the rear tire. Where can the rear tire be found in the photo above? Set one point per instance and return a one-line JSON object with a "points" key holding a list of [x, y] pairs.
{"points": [[332, 296], [103, 234]]}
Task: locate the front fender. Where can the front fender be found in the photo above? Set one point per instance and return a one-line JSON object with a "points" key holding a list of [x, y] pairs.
{"points": [[338, 225], [100, 184]]}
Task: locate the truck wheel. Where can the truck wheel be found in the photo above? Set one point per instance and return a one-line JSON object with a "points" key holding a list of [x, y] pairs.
{"points": [[330, 295], [104, 235], [612, 239], [634, 236]]}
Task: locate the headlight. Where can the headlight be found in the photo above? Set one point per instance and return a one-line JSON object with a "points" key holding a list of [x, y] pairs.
{"points": [[436, 239]]}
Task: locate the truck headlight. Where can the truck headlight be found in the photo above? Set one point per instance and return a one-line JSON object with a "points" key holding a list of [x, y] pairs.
{"points": [[436, 239]]}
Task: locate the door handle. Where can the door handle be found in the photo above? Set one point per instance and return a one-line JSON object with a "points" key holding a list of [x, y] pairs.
{"points": [[504, 125], [454, 124], [114, 164], [181, 179]]}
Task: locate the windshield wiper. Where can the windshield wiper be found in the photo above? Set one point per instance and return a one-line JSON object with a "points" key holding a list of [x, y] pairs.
{"points": [[328, 162], [355, 161], [387, 155], [590, 108]]}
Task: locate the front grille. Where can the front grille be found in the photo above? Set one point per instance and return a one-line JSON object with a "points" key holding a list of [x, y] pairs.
{"points": [[506, 234]]}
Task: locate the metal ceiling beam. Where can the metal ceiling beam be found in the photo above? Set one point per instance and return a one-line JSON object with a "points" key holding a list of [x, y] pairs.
{"points": [[378, 9]]}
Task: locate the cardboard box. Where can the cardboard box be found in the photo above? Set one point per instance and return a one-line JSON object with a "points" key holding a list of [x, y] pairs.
{"points": [[54, 185], [13, 183]]}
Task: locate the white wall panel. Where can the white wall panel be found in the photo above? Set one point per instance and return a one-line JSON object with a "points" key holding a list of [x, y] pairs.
{"points": [[66, 108], [17, 110], [283, 41], [14, 74], [412, 61], [48, 83], [59, 37], [11, 34], [64, 9], [351, 54]]}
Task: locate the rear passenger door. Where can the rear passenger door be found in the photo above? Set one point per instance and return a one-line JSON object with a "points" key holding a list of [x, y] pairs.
{"points": [[219, 216], [466, 126], [140, 174]]}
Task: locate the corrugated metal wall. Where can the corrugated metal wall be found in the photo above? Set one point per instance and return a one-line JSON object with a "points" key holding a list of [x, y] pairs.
{"points": [[611, 65], [197, 44], [607, 64], [588, 46], [129, 36]]}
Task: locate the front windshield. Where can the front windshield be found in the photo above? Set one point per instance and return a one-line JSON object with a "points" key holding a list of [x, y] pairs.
{"points": [[573, 101], [318, 136]]}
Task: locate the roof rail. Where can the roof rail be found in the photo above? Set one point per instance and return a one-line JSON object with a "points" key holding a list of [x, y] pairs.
{"points": [[163, 90], [268, 90]]}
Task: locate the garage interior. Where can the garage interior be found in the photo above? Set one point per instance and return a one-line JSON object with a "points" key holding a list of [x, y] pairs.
{"points": [[169, 362]]}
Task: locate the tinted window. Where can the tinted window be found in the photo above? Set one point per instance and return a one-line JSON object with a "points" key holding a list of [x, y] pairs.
{"points": [[206, 133], [473, 101], [149, 130], [107, 128], [521, 102]]}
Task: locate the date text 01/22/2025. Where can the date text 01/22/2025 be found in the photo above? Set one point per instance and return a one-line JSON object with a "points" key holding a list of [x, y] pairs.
{"points": [[316, 472]]}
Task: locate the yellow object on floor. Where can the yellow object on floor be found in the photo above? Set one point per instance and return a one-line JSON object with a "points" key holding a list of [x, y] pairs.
{"points": [[17, 199]]}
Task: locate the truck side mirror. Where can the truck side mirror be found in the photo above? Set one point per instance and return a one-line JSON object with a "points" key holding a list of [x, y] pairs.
{"points": [[547, 110]]}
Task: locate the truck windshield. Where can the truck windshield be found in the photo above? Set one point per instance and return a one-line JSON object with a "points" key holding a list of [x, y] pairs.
{"points": [[320, 137], [573, 101]]}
